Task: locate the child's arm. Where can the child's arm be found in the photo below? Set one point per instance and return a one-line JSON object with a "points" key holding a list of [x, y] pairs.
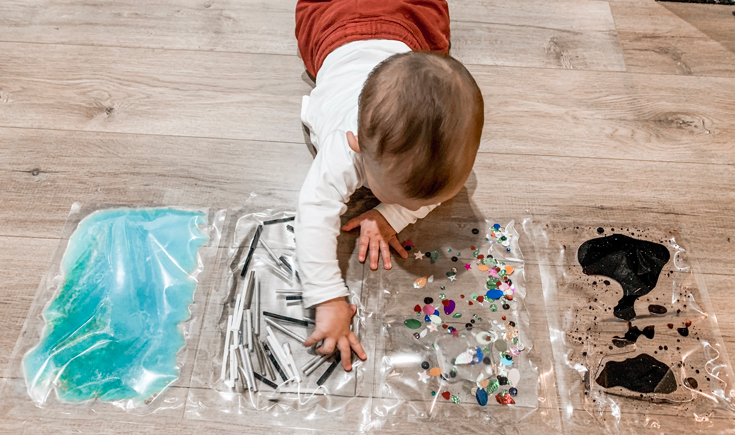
{"points": [[332, 178], [379, 228]]}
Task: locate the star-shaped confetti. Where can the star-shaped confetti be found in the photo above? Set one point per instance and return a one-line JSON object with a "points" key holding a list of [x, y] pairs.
{"points": [[432, 327], [467, 266], [418, 255], [423, 376], [453, 277]]}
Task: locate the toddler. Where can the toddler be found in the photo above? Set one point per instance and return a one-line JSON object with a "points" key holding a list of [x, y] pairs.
{"points": [[390, 111]]}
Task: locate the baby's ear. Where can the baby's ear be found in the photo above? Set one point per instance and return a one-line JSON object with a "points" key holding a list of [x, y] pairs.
{"points": [[352, 141]]}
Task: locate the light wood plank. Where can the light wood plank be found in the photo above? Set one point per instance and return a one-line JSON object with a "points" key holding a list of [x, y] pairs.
{"points": [[249, 26], [656, 41], [181, 93], [608, 115], [570, 35]]}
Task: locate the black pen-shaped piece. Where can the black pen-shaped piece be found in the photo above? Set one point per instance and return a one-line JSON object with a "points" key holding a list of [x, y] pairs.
{"points": [[289, 227], [265, 381], [274, 362], [293, 298], [328, 373], [286, 318], [278, 221], [253, 245]]}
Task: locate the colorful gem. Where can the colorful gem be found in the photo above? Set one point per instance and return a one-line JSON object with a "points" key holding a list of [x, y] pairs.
{"points": [[423, 377], [436, 371], [449, 308], [420, 282], [493, 386], [504, 399], [412, 323]]}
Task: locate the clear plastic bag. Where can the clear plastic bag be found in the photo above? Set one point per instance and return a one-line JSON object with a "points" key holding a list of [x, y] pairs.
{"points": [[635, 339], [460, 339], [114, 317], [222, 387]]}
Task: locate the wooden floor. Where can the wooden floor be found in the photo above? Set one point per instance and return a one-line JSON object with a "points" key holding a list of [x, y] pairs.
{"points": [[594, 109]]}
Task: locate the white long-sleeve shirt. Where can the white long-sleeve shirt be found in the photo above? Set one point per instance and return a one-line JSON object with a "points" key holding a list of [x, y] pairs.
{"points": [[329, 113]]}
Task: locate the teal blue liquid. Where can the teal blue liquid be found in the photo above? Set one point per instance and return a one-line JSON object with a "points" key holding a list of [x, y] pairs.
{"points": [[112, 331]]}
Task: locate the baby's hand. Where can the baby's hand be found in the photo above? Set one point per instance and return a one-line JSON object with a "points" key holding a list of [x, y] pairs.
{"points": [[333, 319], [377, 234]]}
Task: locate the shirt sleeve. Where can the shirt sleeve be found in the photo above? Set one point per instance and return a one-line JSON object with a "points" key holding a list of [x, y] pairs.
{"points": [[331, 180], [400, 217]]}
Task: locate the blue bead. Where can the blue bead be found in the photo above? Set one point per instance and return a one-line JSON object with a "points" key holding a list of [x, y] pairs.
{"points": [[513, 391], [427, 319], [436, 312], [494, 294], [496, 226], [481, 396]]}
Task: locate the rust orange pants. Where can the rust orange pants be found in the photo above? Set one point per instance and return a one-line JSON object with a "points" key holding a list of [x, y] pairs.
{"points": [[322, 26]]}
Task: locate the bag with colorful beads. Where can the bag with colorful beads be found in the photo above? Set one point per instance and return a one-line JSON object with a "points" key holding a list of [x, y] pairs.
{"points": [[460, 340]]}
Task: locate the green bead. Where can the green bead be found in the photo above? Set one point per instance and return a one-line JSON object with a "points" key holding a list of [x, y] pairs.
{"points": [[457, 315], [493, 308], [442, 288], [442, 296], [455, 399], [474, 296], [412, 323], [515, 340], [493, 386], [459, 254], [474, 316], [433, 393], [449, 250]]}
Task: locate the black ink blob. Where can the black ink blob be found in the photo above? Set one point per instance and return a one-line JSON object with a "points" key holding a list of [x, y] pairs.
{"points": [[635, 264], [428, 300], [642, 374], [632, 335], [600, 230], [657, 309], [684, 332]]}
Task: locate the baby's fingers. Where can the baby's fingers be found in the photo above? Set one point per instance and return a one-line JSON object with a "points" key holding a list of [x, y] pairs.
{"points": [[314, 338], [344, 349], [352, 224], [356, 346], [397, 246], [327, 348], [374, 252], [385, 251], [364, 241]]}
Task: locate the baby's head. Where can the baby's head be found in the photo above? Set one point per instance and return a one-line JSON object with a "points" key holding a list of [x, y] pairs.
{"points": [[419, 127]]}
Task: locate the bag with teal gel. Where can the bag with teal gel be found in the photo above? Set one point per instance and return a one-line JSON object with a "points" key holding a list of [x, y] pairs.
{"points": [[112, 328]]}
